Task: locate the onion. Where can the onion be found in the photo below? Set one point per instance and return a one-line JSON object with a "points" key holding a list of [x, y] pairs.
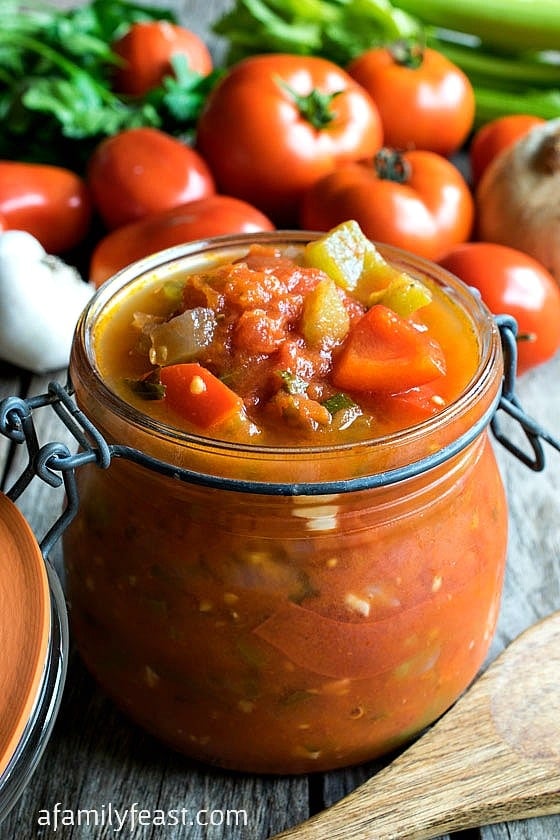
{"points": [[182, 338], [518, 198]]}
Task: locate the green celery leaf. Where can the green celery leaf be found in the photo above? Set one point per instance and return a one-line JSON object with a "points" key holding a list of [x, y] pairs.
{"points": [[335, 29], [252, 27]]}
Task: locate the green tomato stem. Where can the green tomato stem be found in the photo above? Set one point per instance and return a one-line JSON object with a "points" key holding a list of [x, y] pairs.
{"points": [[315, 107]]}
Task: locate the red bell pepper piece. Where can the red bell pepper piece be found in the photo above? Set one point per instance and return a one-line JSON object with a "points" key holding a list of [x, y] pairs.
{"points": [[385, 352], [200, 397]]}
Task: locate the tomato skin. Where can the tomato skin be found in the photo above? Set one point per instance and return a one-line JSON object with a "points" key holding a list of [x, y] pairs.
{"points": [[142, 171], [49, 202], [146, 50], [428, 107], [428, 214], [260, 146], [496, 136], [511, 282], [211, 216]]}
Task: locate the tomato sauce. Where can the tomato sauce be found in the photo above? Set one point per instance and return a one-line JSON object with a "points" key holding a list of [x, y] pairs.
{"points": [[301, 630], [260, 351]]}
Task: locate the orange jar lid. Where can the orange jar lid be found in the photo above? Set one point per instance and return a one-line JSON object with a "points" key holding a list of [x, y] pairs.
{"points": [[33, 639], [24, 625]]}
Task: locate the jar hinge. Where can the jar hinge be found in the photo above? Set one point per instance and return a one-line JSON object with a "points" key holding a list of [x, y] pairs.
{"points": [[510, 404], [52, 462]]}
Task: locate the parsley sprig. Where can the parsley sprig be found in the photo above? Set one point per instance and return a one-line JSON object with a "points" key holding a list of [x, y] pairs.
{"points": [[56, 98]]}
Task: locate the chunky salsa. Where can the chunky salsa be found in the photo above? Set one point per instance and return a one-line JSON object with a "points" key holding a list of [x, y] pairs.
{"points": [[328, 344], [287, 633]]}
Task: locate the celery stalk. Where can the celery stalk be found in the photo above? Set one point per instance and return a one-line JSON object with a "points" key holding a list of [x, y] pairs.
{"points": [[526, 69], [492, 103], [516, 25]]}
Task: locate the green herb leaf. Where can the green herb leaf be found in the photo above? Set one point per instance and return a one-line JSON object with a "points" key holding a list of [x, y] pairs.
{"points": [[180, 98], [338, 402], [149, 386], [56, 66], [292, 383]]}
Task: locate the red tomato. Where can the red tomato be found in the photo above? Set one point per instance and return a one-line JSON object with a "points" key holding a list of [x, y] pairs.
{"points": [[510, 282], [211, 216], [50, 202], [146, 50], [496, 136], [424, 100], [416, 200], [274, 124], [142, 171]]}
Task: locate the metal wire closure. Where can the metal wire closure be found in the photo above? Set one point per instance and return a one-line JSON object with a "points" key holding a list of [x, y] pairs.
{"points": [[55, 464], [52, 462], [509, 403]]}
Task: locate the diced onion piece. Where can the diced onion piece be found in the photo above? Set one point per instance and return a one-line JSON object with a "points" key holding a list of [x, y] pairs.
{"points": [[182, 338]]}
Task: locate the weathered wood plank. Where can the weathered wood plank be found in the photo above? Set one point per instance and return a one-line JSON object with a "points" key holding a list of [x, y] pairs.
{"points": [[545, 828]]}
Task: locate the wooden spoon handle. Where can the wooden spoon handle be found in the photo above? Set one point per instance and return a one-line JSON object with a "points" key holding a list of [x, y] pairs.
{"points": [[494, 757]]}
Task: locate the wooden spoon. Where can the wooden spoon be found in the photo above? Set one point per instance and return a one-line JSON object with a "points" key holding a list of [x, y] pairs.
{"points": [[494, 757]]}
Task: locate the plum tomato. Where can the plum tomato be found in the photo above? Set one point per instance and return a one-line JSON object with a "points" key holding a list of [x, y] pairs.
{"points": [[416, 200], [511, 282], [424, 100], [141, 171], [146, 50], [51, 203], [495, 136], [211, 216]]}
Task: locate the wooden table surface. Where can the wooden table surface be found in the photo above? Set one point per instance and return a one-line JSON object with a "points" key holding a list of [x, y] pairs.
{"points": [[98, 761]]}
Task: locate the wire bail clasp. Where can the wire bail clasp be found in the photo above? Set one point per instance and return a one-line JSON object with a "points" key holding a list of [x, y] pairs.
{"points": [[53, 462], [509, 403]]}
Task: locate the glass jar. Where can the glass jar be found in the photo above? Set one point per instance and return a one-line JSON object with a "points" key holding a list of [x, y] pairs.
{"points": [[286, 610]]}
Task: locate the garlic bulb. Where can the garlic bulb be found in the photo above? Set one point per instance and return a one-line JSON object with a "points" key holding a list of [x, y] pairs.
{"points": [[518, 198], [41, 298]]}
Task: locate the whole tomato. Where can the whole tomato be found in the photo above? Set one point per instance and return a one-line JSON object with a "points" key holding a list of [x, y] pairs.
{"points": [[510, 282], [275, 124], [142, 171], [424, 100], [416, 200], [494, 137], [49, 202], [211, 216], [146, 50]]}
